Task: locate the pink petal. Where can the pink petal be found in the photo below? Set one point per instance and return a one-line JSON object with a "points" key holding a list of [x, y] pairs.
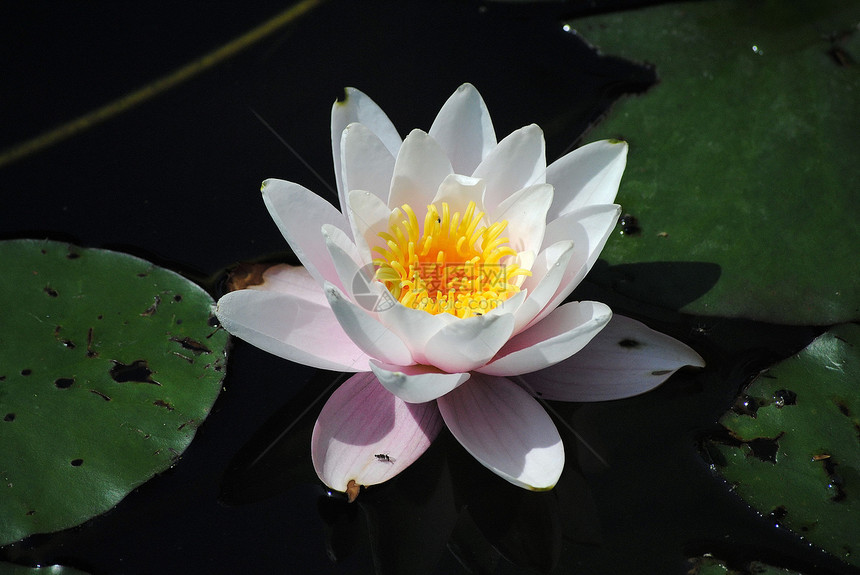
{"points": [[518, 161], [357, 107], [588, 175], [367, 163], [625, 359], [369, 335], [469, 343], [420, 167], [561, 334], [464, 130], [291, 327], [588, 228], [416, 383], [367, 435], [294, 280], [505, 429], [300, 215]]}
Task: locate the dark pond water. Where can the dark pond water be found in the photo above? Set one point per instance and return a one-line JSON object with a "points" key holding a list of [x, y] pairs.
{"points": [[176, 180]]}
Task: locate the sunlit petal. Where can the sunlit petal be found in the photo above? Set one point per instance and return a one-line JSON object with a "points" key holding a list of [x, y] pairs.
{"points": [[367, 435], [505, 429], [587, 176], [561, 334], [464, 130], [288, 326], [416, 383]]}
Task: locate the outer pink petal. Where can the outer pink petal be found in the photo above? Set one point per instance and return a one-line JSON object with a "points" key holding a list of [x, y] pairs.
{"points": [[293, 280], [469, 343], [505, 429], [291, 327], [561, 334], [517, 162], [357, 107], [300, 215], [625, 359], [416, 383], [588, 175], [420, 168], [369, 335], [362, 420], [464, 130]]}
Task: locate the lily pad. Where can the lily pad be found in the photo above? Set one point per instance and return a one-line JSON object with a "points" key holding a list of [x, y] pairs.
{"points": [[108, 364], [793, 444], [740, 157]]}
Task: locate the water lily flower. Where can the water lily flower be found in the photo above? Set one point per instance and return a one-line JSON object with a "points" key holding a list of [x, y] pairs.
{"points": [[441, 283]]}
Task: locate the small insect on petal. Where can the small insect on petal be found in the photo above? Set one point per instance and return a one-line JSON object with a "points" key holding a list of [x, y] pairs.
{"points": [[384, 457]]}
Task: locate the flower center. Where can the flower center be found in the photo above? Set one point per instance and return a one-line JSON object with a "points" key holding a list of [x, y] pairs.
{"points": [[452, 264]]}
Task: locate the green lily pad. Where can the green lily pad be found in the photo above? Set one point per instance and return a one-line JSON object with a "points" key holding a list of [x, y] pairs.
{"points": [[708, 565], [793, 445], [108, 364], [12, 569], [741, 159]]}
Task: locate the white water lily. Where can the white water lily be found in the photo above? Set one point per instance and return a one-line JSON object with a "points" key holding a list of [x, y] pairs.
{"points": [[440, 282]]}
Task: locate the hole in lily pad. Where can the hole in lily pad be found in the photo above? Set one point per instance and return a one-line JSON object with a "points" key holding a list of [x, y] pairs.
{"points": [[177, 298], [783, 397], [629, 225], [51, 291], [64, 382], [26, 371], [77, 462], [9, 417], [191, 345], [137, 371]]}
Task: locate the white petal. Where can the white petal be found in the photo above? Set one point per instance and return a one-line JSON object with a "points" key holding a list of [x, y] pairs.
{"points": [[468, 343], [464, 130], [367, 163], [457, 191], [420, 167], [368, 334], [367, 435], [561, 334], [505, 429], [357, 107], [290, 327], [369, 215], [625, 359], [586, 176], [300, 215], [588, 228], [415, 327], [547, 273], [518, 161], [525, 212], [416, 383]]}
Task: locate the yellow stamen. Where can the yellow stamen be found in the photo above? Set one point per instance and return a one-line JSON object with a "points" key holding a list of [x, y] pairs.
{"points": [[451, 265]]}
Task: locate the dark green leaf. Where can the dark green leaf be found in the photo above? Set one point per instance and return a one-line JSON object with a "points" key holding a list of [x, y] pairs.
{"points": [[741, 157], [108, 364]]}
